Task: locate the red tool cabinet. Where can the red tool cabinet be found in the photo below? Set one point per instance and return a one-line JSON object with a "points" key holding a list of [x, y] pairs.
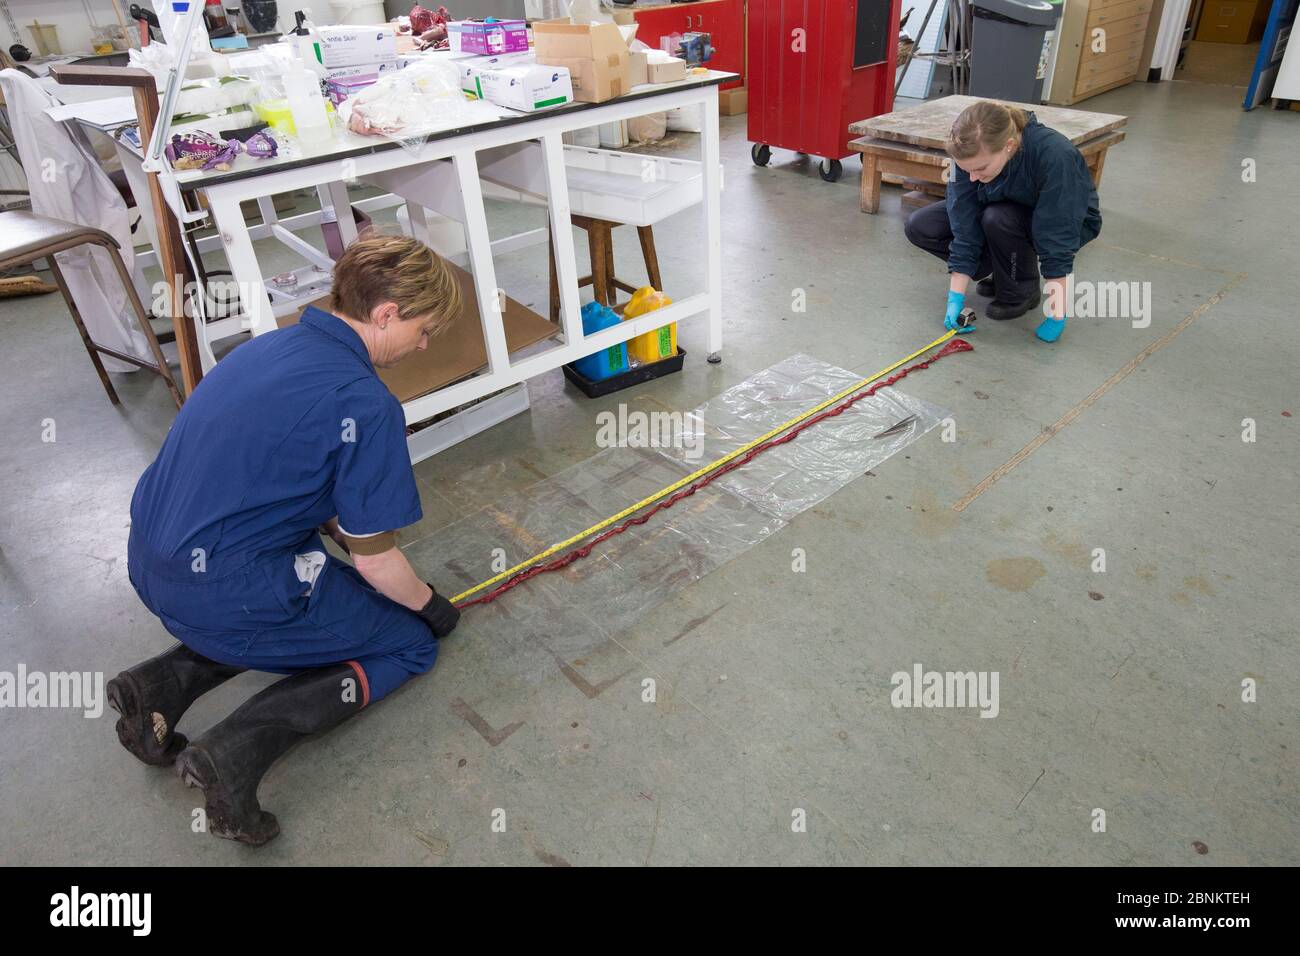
{"points": [[724, 20], [815, 66]]}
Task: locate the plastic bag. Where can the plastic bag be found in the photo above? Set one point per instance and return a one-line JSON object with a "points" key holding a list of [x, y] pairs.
{"points": [[423, 98]]}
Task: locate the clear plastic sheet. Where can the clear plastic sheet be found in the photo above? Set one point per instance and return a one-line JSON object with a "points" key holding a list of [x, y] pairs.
{"points": [[791, 478], [557, 617]]}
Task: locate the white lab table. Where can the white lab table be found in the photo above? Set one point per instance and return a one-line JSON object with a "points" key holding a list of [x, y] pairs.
{"points": [[443, 175]]}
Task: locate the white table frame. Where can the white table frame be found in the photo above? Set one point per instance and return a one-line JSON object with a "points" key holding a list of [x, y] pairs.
{"points": [[328, 176]]}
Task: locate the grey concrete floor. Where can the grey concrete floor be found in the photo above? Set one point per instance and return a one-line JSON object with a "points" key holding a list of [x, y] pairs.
{"points": [[1119, 691]]}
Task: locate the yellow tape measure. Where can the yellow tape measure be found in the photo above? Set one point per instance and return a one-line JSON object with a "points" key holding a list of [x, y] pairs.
{"points": [[693, 476]]}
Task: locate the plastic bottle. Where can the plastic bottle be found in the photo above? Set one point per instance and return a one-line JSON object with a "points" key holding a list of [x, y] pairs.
{"points": [[658, 344], [307, 43], [311, 123]]}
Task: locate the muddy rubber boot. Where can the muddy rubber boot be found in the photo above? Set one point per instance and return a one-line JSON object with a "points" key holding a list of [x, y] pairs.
{"points": [[151, 697], [227, 763]]}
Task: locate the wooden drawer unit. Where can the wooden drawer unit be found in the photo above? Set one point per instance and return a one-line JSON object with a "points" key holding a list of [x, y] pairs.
{"points": [[1082, 70]]}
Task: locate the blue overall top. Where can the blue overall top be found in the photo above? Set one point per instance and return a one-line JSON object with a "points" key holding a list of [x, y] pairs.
{"points": [[1048, 175], [289, 430]]}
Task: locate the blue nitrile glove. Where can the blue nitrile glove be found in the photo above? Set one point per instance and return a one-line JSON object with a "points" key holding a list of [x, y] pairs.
{"points": [[1049, 330], [955, 301]]}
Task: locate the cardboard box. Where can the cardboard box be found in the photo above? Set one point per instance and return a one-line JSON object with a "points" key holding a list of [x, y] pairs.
{"points": [[595, 54], [472, 69], [458, 351], [637, 71], [668, 70], [733, 102], [1233, 21], [356, 46], [487, 39], [368, 69], [527, 86]]}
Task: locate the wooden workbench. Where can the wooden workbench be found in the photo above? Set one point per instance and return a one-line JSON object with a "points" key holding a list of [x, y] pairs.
{"points": [[909, 143]]}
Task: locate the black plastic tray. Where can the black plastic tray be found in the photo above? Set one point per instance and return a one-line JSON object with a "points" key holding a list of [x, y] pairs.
{"points": [[633, 376]]}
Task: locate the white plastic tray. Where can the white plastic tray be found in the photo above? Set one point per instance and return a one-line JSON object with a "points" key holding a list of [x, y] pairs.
{"points": [[630, 188]]}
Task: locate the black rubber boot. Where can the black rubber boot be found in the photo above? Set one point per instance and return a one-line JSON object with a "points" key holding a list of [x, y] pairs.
{"points": [[1012, 310], [151, 697], [228, 762], [986, 288]]}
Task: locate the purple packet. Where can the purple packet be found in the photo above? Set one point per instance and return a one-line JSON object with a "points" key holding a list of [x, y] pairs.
{"points": [[261, 146], [222, 159]]}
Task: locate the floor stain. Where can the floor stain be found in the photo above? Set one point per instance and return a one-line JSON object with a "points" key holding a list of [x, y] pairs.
{"points": [[1199, 585], [1200, 847], [932, 519], [1015, 574], [1147, 572], [435, 845], [1072, 549], [1181, 598]]}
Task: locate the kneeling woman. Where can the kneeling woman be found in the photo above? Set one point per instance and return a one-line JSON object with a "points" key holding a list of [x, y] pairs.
{"points": [[1020, 197]]}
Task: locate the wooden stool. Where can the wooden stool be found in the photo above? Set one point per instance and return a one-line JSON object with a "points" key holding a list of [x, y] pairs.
{"points": [[29, 237], [600, 248]]}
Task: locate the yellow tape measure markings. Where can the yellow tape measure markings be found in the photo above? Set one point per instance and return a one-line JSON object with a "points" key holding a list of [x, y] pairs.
{"points": [[695, 475]]}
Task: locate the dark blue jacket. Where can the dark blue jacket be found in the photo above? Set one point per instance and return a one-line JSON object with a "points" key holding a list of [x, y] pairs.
{"points": [[1046, 174]]}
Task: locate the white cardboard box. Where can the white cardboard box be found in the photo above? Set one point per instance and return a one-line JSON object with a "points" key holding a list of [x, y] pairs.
{"points": [[356, 46], [526, 86], [471, 68]]}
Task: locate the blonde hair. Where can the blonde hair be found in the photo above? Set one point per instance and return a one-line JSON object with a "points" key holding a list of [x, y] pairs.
{"points": [[384, 268], [987, 125]]}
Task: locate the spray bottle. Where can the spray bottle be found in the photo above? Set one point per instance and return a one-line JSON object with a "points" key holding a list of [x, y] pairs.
{"points": [[307, 43]]}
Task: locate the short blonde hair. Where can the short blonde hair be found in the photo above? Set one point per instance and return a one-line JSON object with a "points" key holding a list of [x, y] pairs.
{"points": [[381, 268], [986, 124]]}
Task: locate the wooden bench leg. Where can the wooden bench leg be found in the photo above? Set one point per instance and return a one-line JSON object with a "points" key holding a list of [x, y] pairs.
{"points": [[869, 199], [647, 237], [1099, 161]]}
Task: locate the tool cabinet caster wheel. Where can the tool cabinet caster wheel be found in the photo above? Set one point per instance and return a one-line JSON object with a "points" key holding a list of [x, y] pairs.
{"points": [[715, 358], [830, 170], [761, 154]]}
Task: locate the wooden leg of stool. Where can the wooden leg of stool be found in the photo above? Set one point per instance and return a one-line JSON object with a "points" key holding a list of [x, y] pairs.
{"points": [[598, 246], [611, 287], [647, 236], [81, 329]]}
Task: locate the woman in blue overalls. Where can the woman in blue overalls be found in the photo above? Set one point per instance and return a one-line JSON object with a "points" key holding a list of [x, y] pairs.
{"points": [[292, 432]]}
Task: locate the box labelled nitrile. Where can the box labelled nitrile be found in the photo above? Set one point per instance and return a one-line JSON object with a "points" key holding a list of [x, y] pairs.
{"points": [[633, 376], [595, 54], [487, 39]]}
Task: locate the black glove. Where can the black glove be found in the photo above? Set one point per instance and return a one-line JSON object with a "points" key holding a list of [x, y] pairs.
{"points": [[440, 614]]}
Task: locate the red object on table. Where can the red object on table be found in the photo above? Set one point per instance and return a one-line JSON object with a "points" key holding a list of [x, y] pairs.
{"points": [[815, 66], [723, 20]]}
